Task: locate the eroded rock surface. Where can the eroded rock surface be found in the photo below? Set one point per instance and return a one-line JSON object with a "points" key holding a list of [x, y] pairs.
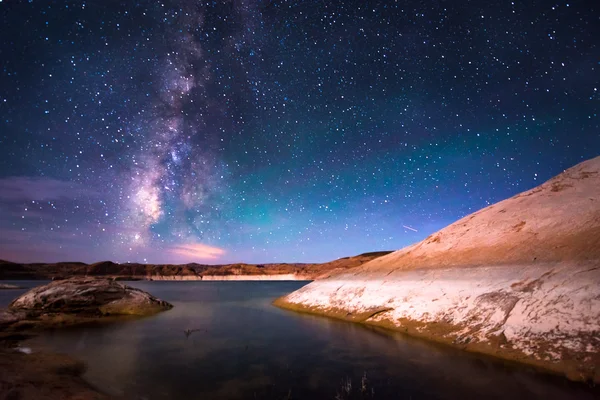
{"points": [[88, 296], [59, 303]]}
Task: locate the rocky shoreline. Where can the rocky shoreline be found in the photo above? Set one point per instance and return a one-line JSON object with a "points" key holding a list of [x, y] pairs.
{"points": [[27, 375], [483, 310], [43, 376]]}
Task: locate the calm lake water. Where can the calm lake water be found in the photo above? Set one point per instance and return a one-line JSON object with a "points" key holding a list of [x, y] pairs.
{"points": [[247, 349]]}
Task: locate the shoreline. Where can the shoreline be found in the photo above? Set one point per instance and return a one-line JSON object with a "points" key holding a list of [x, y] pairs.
{"points": [[413, 332], [73, 381], [501, 316]]}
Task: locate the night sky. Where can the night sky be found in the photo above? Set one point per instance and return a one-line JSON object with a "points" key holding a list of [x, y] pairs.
{"points": [[273, 131]]}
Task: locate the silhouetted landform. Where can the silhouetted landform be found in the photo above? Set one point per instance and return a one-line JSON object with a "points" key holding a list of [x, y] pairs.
{"points": [[519, 279], [27, 375], [132, 271], [43, 376]]}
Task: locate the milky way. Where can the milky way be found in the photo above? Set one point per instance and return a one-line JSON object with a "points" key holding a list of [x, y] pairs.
{"points": [[173, 175], [280, 131]]}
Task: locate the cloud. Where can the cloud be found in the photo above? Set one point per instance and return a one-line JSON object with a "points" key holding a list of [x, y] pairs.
{"points": [[197, 251], [42, 246], [18, 188]]}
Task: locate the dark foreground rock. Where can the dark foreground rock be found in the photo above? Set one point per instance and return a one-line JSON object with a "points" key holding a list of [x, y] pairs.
{"points": [[87, 297], [43, 376], [61, 303]]}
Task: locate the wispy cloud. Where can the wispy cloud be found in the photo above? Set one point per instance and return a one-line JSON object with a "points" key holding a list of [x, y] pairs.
{"points": [[18, 188], [197, 251], [39, 246]]}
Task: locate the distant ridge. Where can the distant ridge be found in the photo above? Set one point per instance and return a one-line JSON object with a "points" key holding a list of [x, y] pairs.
{"points": [[191, 271]]}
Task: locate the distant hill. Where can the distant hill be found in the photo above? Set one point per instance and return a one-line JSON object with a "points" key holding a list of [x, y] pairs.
{"points": [[192, 271]]}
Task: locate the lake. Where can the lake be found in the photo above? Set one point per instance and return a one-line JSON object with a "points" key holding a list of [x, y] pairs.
{"points": [[244, 348]]}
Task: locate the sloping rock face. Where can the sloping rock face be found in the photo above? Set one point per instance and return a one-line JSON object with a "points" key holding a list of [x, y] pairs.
{"points": [[88, 296], [519, 279]]}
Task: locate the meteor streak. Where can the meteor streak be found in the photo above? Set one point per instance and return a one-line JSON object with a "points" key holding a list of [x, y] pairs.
{"points": [[409, 228]]}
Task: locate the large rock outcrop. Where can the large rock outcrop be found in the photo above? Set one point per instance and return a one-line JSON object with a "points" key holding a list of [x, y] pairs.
{"points": [[519, 279], [67, 302], [87, 297]]}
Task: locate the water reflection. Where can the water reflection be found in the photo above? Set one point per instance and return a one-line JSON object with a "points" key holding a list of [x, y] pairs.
{"points": [[244, 348]]}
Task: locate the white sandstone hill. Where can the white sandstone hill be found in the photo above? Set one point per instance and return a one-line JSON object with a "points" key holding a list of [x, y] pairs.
{"points": [[519, 280]]}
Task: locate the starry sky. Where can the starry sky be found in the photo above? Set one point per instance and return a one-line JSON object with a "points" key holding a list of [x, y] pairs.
{"points": [[280, 131]]}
